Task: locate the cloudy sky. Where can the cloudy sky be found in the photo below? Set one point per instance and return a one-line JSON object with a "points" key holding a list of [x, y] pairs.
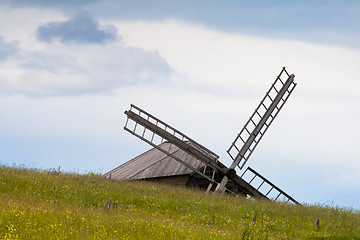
{"points": [[69, 70]]}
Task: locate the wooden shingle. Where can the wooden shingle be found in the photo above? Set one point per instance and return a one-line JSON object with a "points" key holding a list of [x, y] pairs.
{"points": [[155, 164]]}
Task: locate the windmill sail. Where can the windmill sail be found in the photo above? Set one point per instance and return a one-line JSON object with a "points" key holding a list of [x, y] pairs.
{"points": [[265, 187], [155, 132], [246, 141]]}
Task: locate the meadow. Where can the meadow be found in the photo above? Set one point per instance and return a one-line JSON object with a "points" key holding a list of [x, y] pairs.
{"points": [[39, 204]]}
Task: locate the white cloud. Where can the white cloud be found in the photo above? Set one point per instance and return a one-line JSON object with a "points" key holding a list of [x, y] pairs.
{"points": [[81, 69], [55, 69], [213, 57], [102, 70]]}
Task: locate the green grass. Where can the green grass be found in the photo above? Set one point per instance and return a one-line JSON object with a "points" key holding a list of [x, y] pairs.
{"points": [[52, 205]]}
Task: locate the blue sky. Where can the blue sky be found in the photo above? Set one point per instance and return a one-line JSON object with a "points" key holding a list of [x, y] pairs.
{"points": [[69, 69]]}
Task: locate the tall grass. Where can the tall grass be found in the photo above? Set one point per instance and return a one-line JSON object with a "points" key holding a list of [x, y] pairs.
{"points": [[52, 205]]}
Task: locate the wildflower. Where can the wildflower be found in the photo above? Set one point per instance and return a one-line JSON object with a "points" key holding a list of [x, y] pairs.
{"points": [[318, 223], [254, 220]]}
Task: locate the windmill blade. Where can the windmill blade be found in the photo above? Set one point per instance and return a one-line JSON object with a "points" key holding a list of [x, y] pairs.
{"points": [[246, 141], [264, 186], [154, 132]]}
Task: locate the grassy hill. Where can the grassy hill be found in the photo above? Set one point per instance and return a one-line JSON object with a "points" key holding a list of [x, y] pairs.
{"points": [[53, 205]]}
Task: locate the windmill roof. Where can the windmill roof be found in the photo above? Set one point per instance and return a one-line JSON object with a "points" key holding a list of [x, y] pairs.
{"points": [[154, 163]]}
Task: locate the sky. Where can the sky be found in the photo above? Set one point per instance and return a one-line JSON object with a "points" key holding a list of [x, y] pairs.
{"points": [[69, 70]]}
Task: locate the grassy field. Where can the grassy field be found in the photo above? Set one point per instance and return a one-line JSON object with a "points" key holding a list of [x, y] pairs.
{"points": [[53, 205]]}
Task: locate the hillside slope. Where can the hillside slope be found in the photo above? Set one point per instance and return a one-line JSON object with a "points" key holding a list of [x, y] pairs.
{"points": [[53, 205]]}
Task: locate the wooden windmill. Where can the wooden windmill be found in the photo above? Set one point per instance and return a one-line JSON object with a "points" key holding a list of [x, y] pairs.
{"points": [[216, 175]]}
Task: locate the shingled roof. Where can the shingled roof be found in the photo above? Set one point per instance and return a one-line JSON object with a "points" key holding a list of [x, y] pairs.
{"points": [[154, 163]]}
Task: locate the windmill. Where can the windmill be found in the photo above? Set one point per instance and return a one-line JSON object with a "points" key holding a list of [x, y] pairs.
{"points": [[220, 178]]}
